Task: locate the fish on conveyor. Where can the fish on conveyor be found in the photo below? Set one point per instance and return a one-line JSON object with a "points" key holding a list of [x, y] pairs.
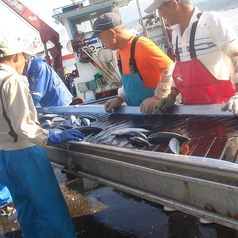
{"points": [[86, 130], [123, 131], [58, 119], [138, 141], [73, 119], [133, 133], [85, 121], [92, 119], [165, 137], [78, 121], [48, 116], [174, 146]]}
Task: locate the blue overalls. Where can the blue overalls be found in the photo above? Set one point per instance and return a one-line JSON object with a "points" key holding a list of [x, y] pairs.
{"points": [[135, 90], [42, 210]]}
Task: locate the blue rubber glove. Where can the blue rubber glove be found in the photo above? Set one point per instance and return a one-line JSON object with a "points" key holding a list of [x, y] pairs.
{"points": [[58, 138]]}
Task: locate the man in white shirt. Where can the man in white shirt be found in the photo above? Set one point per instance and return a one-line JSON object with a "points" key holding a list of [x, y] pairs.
{"points": [[206, 51]]}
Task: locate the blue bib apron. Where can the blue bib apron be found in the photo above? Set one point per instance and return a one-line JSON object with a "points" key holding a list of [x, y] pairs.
{"points": [[135, 90]]}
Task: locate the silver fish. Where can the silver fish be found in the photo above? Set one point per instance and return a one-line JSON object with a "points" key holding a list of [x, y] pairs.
{"points": [[136, 134], [73, 119], [138, 141], [58, 119], [123, 131], [85, 122], [174, 146]]}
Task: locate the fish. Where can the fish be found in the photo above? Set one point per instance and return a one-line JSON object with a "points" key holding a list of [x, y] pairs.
{"points": [[85, 121], [78, 122], [92, 119], [136, 134], [48, 116], [86, 130], [58, 119], [123, 131], [174, 146], [165, 137], [73, 119], [138, 141]]}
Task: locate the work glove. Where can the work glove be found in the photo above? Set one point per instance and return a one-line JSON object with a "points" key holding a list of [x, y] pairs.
{"points": [[58, 138], [111, 103], [165, 103], [232, 105], [148, 105]]}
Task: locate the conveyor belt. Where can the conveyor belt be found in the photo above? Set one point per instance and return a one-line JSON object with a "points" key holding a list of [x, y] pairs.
{"points": [[201, 180], [210, 136]]}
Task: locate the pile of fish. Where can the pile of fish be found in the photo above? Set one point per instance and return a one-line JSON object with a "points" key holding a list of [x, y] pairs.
{"points": [[139, 136], [58, 124]]}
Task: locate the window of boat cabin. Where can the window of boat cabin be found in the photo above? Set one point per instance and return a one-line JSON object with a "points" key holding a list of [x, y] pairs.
{"points": [[84, 23]]}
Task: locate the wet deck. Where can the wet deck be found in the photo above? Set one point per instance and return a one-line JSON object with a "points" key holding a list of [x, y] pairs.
{"points": [[103, 212]]}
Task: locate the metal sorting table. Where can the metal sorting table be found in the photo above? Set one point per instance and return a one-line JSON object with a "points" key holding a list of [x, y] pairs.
{"points": [[202, 180]]}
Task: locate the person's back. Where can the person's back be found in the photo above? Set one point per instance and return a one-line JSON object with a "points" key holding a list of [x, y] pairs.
{"points": [[46, 87]]}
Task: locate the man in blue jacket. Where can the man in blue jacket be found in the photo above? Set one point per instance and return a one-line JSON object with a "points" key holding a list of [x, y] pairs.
{"points": [[46, 87]]}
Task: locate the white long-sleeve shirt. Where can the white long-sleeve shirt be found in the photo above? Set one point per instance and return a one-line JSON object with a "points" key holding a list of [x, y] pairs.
{"points": [[21, 111]]}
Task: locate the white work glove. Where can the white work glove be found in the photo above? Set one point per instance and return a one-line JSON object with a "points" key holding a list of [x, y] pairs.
{"points": [[232, 105], [111, 103], [148, 105]]}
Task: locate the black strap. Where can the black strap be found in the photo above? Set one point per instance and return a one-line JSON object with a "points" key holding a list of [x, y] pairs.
{"points": [[132, 61], [192, 50], [4, 113]]}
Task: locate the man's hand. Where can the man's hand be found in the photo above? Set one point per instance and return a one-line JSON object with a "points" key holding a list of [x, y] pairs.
{"points": [[148, 105], [111, 103], [165, 103], [232, 105]]}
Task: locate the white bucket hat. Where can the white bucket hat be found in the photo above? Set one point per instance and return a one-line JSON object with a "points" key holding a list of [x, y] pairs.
{"points": [[155, 5], [11, 47]]}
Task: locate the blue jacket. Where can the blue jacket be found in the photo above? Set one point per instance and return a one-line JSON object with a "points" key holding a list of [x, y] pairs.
{"points": [[46, 87]]}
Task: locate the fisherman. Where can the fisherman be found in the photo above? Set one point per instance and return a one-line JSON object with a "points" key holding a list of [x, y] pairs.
{"points": [[145, 70], [46, 87], [206, 51], [24, 165]]}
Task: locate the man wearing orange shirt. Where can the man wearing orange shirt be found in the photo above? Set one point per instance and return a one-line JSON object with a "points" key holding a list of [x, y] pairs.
{"points": [[145, 70]]}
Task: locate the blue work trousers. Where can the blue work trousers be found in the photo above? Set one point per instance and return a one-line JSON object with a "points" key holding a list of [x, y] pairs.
{"points": [[42, 210]]}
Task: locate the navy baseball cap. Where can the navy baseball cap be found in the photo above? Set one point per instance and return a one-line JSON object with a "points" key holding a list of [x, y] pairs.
{"points": [[106, 21]]}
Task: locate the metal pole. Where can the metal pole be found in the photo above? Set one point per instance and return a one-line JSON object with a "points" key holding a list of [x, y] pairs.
{"points": [[140, 15]]}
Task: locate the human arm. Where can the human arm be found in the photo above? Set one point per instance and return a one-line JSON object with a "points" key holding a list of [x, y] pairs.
{"points": [[231, 50], [58, 138], [161, 91], [115, 102]]}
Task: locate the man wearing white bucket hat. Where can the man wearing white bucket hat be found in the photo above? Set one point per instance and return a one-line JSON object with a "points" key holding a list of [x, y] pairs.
{"points": [[24, 166], [206, 51]]}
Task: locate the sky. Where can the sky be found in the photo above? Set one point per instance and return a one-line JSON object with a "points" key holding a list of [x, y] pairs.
{"points": [[18, 28], [44, 9]]}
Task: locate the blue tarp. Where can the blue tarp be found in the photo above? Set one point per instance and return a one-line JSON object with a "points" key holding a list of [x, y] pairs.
{"points": [[5, 196]]}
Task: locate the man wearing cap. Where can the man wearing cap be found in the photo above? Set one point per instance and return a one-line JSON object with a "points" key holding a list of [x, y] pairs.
{"points": [[145, 69], [206, 51], [24, 166]]}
